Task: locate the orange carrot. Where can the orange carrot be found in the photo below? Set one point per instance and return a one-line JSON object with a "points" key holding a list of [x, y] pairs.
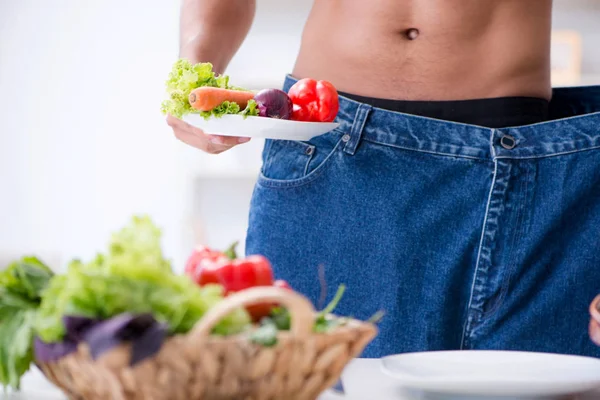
{"points": [[206, 98]]}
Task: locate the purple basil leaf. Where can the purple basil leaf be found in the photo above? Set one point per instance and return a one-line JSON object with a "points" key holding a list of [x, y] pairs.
{"points": [[124, 327], [49, 352], [101, 341], [149, 343], [136, 326], [76, 326]]}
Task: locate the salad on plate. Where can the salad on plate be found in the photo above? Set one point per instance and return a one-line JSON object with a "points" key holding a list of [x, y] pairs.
{"points": [[202, 98]]}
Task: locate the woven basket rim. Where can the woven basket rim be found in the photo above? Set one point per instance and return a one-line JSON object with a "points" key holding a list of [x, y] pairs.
{"points": [[299, 305]]}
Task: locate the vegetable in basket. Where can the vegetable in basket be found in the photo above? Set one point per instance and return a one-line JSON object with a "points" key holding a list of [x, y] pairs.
{"points": [[101, 303], [129, 294], [207, 266], [21, 285], [133, 276]]}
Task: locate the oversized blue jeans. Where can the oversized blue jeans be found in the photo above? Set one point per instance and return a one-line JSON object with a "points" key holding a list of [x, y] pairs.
{"points": [[467, 237]]}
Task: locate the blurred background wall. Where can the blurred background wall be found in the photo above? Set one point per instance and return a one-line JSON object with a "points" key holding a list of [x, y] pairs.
{"points": [[83, 145]]}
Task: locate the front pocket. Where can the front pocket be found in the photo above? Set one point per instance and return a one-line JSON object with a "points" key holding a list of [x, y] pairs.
{"points": [[288, 162], [286, 159]]}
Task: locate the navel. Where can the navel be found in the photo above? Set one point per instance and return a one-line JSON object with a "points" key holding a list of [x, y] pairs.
{"points": [[412, 33]]}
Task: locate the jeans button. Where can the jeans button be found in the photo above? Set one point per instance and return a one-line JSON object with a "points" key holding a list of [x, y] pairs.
{"points": [[346, 138], [309, 150], [508, 142]]}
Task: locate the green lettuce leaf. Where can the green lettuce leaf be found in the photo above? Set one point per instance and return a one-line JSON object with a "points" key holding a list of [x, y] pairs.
{"points": [[231, 108], [250, 110], [225, 108], [16, 346], [185, 77], [26, 277], [21, 288]]}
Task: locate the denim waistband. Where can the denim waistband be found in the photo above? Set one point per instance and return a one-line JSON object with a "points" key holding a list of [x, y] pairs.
{"points": [[573, 125]]}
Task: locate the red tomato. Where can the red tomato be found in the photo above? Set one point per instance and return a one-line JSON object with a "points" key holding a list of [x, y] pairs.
{"points": [[314, 100], [203, 264]]}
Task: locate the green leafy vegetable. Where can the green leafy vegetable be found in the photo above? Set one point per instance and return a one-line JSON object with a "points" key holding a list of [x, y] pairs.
{"points": [[136, 244], [185, 77], [228, 107], [26, 277], [250, 110], [16, 349], [21, 286], [324, 321], [265, 335], [132, 277], [280, 320]]}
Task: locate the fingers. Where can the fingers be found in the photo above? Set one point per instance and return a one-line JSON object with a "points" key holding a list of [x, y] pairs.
{"points": [[199, 142], [195, 137], [226, 140]]}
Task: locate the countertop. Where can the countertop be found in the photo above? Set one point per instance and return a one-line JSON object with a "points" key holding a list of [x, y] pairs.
{"points": [[362, 380]]}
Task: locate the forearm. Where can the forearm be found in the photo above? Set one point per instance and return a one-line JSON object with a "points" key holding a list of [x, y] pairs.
{"points": [[213, 30]]}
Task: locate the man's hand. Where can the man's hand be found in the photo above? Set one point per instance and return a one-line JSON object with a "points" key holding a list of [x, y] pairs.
{"points": [[211, 31], [195, 137]]}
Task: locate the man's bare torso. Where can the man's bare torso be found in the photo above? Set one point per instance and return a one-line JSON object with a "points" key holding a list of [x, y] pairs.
{"points": [[429, 49]]}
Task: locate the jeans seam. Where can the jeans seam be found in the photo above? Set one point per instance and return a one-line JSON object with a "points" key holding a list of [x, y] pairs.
{"points": [[517, 235], [548, 155], [481, 159], [492, 149], [467, 323]]}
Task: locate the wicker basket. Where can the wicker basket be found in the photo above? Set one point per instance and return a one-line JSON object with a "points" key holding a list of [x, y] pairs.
{"points": [[301, 365]]}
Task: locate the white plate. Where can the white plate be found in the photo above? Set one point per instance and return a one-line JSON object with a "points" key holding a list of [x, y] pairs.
{"points": [[260, 127], [494, 373]]}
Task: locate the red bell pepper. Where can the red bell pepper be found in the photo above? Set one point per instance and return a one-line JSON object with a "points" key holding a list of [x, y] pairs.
{"points": [[206, 266], [245, 273], [314, 101]]}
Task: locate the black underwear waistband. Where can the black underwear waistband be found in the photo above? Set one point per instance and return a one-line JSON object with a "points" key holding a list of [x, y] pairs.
{"points": [[499, 112]]}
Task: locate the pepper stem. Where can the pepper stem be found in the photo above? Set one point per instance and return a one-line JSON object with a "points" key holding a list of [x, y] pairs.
{"points": [[230, 252]]}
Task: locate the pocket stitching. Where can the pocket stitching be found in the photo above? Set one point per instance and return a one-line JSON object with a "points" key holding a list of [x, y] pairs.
{"points": [[311, 176]]}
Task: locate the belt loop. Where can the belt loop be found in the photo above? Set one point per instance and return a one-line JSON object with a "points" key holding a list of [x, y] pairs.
{"points": [[362, 112]]}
